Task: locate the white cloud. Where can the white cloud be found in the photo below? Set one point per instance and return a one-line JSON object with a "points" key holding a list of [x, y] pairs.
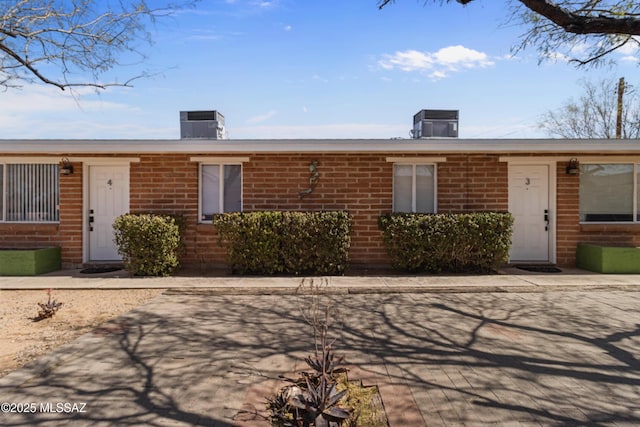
{"points": [[632, 47], [409, 60], [265, 4], [579, 49], [288, 28], [454, 56], [437, 64], [630, 51], [437, 75], [263, 117]]}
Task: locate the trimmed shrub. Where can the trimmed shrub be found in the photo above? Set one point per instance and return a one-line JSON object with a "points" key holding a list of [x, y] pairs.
{"points": [[149, 244], [253, 241], [275, 242], [467, 242]]}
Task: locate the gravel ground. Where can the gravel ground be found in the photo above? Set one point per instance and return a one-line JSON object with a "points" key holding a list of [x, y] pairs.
{"points": [[23, 339]]}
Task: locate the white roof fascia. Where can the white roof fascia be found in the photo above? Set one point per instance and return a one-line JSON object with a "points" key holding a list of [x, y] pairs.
{"points": [[320, 145]]}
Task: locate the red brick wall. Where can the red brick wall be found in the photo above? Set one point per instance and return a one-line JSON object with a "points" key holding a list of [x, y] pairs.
{"points": [[14, 235], [358, 183], [472, 183], [70, 228]]}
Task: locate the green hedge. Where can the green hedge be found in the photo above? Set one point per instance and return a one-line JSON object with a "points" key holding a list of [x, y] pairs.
{"points": [[285, 242], [468, 242], [149, 243]]}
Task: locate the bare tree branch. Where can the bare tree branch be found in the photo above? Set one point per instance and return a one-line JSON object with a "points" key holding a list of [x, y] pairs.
{"points": [[584, 23], [593, 115], [601, 55], [553, 27], [29, 67], [51, 41]]}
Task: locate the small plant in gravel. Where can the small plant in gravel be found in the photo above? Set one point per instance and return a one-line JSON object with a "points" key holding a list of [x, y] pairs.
{"points": [[312, 399], [49, 308]]}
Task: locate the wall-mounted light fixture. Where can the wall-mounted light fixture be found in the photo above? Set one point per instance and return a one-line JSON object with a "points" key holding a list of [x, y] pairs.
{"points": [[66, 168], [313, 179], [572, 167]]}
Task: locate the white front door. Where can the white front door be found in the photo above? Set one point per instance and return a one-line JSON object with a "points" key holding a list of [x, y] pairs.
{"points": [[108, 199], [529, 205]]}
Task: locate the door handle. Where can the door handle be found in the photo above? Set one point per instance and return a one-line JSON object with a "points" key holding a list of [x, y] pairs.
{"points": [[546, 219]]}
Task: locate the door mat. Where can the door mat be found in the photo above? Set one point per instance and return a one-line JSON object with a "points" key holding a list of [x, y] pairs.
{"points": [[540, 268], [98, 270]]}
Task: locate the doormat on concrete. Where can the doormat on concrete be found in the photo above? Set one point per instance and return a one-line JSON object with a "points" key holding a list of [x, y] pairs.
{"points": [[98, 270], [540, 268]]}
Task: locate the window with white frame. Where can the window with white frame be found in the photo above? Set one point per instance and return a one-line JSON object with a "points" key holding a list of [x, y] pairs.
{"points": [[609, 192], [414, 188], [29, 192], [220, 189]]}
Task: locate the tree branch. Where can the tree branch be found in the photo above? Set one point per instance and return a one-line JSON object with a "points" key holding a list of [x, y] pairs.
{"points": [[29, 67], [583, 24], [600, 55], [574, 22], [75, 37]]}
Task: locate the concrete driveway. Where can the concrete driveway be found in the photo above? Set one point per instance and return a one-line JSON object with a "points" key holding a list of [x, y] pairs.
{"points": [[473, 359]]}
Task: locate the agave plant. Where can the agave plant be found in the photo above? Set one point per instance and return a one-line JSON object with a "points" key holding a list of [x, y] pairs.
{"points": [[319, 404], [282, 412], [311, 399], [325, 364]]}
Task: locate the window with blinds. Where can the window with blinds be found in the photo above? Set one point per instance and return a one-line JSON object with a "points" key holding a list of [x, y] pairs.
{"points": [[220, 190], [414, 188], [29, 192]]}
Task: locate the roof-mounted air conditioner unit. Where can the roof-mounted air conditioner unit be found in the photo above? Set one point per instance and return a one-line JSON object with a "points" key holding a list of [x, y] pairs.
{"points": [[201, 125], [435, 124]]}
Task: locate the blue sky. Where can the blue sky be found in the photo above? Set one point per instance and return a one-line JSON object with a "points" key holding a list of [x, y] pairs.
{"points": [[318, 69]]}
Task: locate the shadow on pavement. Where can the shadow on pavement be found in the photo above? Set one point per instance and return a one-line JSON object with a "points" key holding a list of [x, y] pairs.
{"points": [[550, 358]]}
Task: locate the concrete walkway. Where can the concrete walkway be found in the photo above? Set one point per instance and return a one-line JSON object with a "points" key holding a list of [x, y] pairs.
{"points": [[544, 356], [508, 279]]}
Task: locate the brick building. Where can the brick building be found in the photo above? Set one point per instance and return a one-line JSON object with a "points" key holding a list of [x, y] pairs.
{"points": [[67, 192]]}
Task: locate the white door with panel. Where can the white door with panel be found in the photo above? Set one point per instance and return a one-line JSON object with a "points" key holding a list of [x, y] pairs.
{"points": [[108, 199], [529, 205]]}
